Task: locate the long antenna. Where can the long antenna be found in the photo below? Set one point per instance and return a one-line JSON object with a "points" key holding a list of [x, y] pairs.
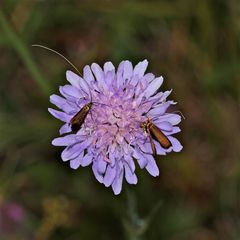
{"points": [[180, 114], [59, 54]]}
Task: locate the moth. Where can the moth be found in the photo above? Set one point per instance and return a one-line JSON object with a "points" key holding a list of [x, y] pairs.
{"points": [[155, 134], [77, 120]]}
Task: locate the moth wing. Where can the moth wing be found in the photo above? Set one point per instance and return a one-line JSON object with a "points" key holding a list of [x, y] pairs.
{"points": [[159, 136], [78, 119]]}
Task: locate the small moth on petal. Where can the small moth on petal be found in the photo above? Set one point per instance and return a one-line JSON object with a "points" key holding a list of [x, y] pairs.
{"points": [[155, 133], [77, 121]]}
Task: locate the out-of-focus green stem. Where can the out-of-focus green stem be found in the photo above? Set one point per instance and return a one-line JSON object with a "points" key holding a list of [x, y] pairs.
{"points": [[24, 54], [134, 225]]}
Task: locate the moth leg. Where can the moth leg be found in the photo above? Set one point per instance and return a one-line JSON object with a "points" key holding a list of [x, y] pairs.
{"points": [[152, 143], [146, 135], [91, 115]]}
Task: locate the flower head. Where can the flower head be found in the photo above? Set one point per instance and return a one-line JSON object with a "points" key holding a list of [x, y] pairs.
{"points": [[112, 138]]}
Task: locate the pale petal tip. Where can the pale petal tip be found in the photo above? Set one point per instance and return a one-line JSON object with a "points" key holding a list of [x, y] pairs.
{"points": [[156, 173], [69, 74], [145, 61], [50, 110], [53, 142], [179, 149], [116, 191], [74, 166], [93, 65]]}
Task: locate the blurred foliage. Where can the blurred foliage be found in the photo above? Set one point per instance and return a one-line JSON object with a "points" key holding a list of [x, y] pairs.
{"points": [[195, 45]]}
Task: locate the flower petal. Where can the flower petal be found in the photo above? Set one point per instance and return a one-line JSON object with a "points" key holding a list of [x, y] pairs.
{"points": [[72, 91], [140, 68], [129, 175], [68, 97], [109, 78], [152, 167], [165, 126], [57, 100], [98, 176], [159, 110], [153, 86], [87, 159], [101, 165], [60, 115], [65, 129], [82, 85], [134, 80], [173, 131], [176, 145], [64, 141], [98, 72], [146, 147], [127, 70], [160, 149], [75, 163], [108, 67], [142, 160], [112, 158], [63, 104], [174, 119], [87, 74], [149, 77], [120, 79], [73, 78], [73, 151], [109, 176], [117, 183], [164, 95], [130, 163]]}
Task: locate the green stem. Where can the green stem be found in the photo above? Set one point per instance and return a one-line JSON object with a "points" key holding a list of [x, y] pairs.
{"points": [[134, 225], [24, 54]]}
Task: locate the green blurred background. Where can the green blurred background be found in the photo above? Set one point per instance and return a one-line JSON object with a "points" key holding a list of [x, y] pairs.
{"points": [[195, 46]]}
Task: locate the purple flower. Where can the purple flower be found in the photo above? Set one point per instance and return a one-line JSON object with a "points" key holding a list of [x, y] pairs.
{"points": [[12, 216], [15, 212], [111, 138]]}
